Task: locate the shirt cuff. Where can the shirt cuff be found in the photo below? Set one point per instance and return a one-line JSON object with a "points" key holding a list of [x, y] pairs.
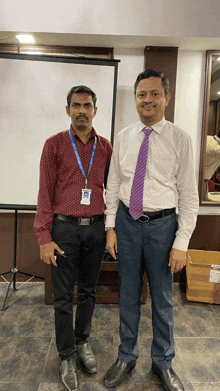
{"points": [[110, 221], [181, 244], [44, 237]]}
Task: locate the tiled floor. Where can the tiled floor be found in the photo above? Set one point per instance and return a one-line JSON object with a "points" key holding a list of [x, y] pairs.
{"points": [[29, 360]]}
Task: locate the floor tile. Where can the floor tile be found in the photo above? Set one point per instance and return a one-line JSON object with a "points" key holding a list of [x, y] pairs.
{"points": [[19, 387], [200, 321], [206, 386], [201, 357], [51, 387], [24, 321], [22, 359]]}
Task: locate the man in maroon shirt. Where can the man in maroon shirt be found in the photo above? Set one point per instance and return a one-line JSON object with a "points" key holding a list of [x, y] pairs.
{"points": [[69, 225]]}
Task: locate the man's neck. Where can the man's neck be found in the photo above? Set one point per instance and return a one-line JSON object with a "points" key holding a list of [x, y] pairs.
{"points": [[84, 135], [149, 121]]}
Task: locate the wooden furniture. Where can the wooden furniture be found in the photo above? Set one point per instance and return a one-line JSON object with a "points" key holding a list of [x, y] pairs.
{"points": [[107, 287]]}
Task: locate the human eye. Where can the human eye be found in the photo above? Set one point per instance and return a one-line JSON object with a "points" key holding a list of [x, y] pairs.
{"points": [[141, 95], [88, 105], [75, 105]]}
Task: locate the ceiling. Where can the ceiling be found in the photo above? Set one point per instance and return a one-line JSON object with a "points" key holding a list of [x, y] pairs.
{"points": [[115, 41]]}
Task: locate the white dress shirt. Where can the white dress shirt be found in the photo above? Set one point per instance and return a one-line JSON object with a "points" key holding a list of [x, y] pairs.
{"points": [[169, 181]]}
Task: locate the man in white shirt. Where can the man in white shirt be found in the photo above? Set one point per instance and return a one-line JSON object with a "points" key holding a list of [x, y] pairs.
{"points": [[158, 240], [212, 162]]}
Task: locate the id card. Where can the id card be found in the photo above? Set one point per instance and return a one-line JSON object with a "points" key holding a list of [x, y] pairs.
{"points": [[86, 197]]}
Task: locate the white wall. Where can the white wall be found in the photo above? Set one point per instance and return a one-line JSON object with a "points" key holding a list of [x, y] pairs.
{"points": [[189, 97], [131, 64], [186, 18]]}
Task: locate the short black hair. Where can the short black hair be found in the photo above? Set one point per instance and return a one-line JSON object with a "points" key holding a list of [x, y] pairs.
{"points": [[81, 90], [152, 73]]}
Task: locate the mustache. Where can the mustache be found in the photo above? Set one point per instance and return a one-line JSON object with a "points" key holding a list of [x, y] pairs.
{"points": [[81, 116]]}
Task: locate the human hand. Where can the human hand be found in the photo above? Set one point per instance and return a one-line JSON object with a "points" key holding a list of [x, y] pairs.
{"points": [[177, 260], [47, 252], [111, 242]]}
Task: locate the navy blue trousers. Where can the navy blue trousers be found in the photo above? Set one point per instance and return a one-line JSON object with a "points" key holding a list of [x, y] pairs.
{"points": [[146, 247]]}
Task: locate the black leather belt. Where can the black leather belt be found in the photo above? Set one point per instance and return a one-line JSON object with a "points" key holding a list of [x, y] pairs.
{"points": [[147, 216], [80, 220]]}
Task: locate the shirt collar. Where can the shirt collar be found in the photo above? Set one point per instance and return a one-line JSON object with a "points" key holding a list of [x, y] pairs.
{"points": [[93, 133], [156, 127]]}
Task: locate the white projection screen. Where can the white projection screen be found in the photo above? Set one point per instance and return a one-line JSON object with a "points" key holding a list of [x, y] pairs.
{"points": [[33, 90]]}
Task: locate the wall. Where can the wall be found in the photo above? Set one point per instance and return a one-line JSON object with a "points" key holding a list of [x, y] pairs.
{"points": [[186, 18]]}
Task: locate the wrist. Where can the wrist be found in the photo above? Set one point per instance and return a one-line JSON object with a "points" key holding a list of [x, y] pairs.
{"points": [[110, 229]]}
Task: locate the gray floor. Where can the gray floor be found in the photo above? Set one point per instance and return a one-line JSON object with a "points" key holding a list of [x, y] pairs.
{"points": [[29, 360]]}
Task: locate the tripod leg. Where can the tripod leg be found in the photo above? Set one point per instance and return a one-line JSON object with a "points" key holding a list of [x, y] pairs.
{"points": [[12, 278]]}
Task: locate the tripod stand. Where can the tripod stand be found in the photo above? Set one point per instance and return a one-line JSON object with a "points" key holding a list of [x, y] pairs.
{"points": [[15, 270]]}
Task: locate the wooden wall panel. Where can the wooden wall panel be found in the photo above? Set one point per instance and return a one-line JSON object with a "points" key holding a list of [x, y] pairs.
{"points": [[212, 118], [28, 255], [164, 59], [207, 233]]}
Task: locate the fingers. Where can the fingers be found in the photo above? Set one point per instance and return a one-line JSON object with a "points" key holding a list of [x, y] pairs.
{"points": [[47, 253], [177, 260], [111, 243], [177, 265], [58, 249], [53, 260]]}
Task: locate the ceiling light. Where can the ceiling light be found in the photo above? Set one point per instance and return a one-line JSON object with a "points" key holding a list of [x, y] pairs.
{"points": [[218, 59], [25, 38], [218, 93]]}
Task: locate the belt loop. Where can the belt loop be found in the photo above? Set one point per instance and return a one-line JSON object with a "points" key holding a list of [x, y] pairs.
{"points": [[163, 212]]}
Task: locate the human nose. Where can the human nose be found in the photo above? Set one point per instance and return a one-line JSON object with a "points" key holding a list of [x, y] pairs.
{"points": [[147, 98], [82, 110]]}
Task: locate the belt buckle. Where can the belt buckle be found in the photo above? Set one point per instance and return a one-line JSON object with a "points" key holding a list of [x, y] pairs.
{"points": [[84, 221], [144, 219]]}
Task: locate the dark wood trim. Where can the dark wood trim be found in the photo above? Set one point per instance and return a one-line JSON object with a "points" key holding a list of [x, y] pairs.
{"points": [[58, 50], [208, 71], [164, 59], [217, 128]]}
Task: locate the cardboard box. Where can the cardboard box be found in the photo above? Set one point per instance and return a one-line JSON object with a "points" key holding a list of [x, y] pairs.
{"points": [[203, 276]]}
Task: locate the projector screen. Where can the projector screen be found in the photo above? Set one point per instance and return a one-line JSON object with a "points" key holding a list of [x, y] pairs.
{"points": [[33, 92]]}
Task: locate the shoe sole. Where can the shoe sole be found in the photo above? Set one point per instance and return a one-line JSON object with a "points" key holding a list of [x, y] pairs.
{"points": [[115, 384]]}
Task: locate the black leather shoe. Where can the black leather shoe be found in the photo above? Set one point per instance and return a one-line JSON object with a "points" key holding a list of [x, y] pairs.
{"points": [[86, 356], [117, 373], [168, 378], [68, 374]]}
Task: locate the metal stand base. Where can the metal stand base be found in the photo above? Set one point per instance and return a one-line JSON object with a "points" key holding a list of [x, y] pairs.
{"points": [[15, 271]]}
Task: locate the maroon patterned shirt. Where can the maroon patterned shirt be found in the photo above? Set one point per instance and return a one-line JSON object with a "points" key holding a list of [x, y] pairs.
{"points": [[61, 180]]}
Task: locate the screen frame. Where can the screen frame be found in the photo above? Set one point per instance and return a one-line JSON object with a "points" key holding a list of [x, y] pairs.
{"points": [[65, 59]]}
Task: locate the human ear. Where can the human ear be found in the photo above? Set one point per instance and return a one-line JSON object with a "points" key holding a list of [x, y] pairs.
{"points": [[167, 97], [68, 111]]}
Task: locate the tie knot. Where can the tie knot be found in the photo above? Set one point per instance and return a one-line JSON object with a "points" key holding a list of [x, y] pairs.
{"points": [[147, 131]]}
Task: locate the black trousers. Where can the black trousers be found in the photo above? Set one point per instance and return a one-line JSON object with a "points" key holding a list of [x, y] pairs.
{"points": [[84, 247]]}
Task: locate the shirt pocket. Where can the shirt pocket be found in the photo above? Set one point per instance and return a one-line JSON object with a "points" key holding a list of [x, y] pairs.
{"points": [[163, 168]]}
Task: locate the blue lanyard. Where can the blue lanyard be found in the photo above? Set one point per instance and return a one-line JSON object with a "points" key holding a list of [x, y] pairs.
{"points": [[78, 157], [216, 140]]}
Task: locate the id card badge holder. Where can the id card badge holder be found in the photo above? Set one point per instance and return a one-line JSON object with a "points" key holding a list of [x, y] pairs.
{"points": [[86, 196]]}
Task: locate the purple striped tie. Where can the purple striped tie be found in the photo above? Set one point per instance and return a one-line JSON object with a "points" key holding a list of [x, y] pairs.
{"points": [[136, 199]]}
